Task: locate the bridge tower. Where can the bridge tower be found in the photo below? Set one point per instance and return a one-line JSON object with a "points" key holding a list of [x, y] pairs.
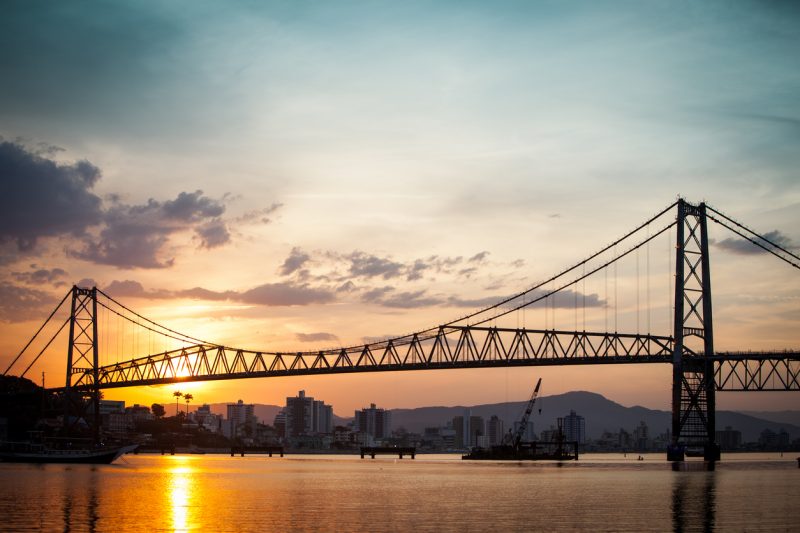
{"points": [[81, 395], [693, 384]]}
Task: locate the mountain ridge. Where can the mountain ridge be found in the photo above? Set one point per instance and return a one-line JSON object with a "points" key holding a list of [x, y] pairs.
{"points": [[600, 414]]}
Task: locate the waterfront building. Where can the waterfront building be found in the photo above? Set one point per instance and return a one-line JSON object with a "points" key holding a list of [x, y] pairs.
{"points": [[138, 412], [495, 430], [206, 419], [641, 436], [468, 428], [279, 423], [374, 421], [574, 428], [305, 416], [729, 439], [322, 419], [241, 420], [112, 406]]}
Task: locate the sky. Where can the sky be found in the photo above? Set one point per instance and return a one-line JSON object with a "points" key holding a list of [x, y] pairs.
{"points": [[299, 175]]}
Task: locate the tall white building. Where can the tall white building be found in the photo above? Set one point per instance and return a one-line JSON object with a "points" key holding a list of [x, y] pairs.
{"points": [[241, 419]]}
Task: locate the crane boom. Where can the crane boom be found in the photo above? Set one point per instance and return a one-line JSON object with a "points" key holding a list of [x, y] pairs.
{"points": [[524, 422]]}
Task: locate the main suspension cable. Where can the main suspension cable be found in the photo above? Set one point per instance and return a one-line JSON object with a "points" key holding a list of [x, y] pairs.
{"points": [[64, 299], [742, 235], [179, 334], [732, 221]]}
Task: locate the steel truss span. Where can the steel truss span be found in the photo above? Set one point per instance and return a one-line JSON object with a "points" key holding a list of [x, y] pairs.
{"points": [[452, 347], [767, 371]]}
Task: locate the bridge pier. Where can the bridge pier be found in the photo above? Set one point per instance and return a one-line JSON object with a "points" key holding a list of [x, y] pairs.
{"points": [[693, 383]]}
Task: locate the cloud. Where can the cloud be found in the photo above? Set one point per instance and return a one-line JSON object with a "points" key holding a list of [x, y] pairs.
{"points": [[42, 198], [744, 247], [268, 294], [87, 282], [370, 266], [41, 276], [376, 295], [18, 304], [281, 294], [213, 234], [411, 300], [564, 299], [386, 297], [297, 258], [130, 289], [315, 337], [260, 216], [480, 257], [199, 293], [136, 236], [192, 207]]}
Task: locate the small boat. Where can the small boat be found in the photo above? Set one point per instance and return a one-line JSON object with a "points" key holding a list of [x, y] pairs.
{"points": [[24, 452]]}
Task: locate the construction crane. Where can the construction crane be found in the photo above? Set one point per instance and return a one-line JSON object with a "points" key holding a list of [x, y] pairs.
{"points": [[524, 422]]}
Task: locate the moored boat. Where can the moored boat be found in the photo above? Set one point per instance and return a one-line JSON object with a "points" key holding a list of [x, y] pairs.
{"points": [[22, 452]]}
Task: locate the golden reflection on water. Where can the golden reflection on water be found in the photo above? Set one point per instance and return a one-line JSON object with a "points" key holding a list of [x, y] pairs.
{"points": [[181, 493]]}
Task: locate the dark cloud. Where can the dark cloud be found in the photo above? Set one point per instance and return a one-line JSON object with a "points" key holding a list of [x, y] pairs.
{"points": [[199, 293], [744, 247], [370, 266], [315, 337], [410, 300], [192, 207], [41, 276], [126, 288], [480, 257], [42, 198], [259, 215], [347, 286], [387, 297], [18, 304], [474, 303], [415, 271], [137, 236], [297, 258], [87, 283], [281, 294], [376, 295], [467, 272], [213, 234], [269, 294], [564, 299]]}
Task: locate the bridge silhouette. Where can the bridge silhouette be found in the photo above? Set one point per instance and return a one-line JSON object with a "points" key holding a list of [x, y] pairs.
{"points": [[475, 340]]}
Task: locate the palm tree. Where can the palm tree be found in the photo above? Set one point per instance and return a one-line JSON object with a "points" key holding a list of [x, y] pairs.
{"points": [[177, 395], [188, 397]]}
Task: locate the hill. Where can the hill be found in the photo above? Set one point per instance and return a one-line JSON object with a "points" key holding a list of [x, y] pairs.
{"points": [[600, 413]]}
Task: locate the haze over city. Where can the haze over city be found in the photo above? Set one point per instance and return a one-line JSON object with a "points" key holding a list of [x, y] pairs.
{"points": [[298, 176]]}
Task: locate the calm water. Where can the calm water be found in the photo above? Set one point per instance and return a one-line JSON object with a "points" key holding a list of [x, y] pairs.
{"points": [[431, 493]]}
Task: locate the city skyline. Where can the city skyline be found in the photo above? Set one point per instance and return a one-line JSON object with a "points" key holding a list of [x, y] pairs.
{"points": [[292, 177]]}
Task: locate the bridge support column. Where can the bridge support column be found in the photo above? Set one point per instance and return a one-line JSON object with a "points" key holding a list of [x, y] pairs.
{"points": [[82, 363], [693, 385]]}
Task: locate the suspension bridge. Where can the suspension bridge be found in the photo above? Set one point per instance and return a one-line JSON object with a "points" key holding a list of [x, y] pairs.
{"points": [[484, 338]]}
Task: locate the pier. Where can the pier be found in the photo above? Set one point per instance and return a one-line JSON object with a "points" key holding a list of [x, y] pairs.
{"points": [[372, 451]]}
